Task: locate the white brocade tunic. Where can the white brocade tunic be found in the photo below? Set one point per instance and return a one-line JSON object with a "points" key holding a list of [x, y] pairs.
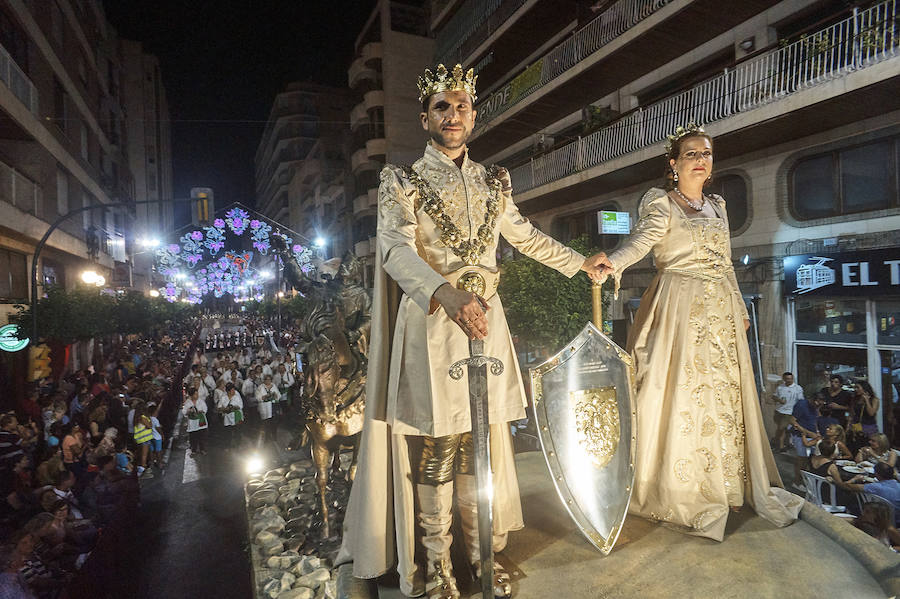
{"points": [[421, 397]]}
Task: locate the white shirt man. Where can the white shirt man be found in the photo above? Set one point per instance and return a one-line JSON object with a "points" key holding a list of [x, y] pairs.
{"points": [[787, 394]]}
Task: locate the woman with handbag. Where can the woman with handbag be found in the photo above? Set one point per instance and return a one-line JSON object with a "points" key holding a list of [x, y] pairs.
{"points": [[195, 409]]}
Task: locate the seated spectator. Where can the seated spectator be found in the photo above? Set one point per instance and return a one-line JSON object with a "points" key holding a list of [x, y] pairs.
{"points": [[42, 580], [65, 481], [875, 521], [51, 466], [878, 450], [124, 458], [106, 446], [12, 559], [836, 435], [887, 486], [73, 448], [10, 443], [114, 492], [62, 542]]}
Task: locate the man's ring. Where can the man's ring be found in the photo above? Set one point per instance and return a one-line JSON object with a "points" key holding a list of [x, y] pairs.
{"points": [[467, 322]]}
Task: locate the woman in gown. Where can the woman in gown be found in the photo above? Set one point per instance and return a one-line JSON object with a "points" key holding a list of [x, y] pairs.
{"points": [[701, 444]]}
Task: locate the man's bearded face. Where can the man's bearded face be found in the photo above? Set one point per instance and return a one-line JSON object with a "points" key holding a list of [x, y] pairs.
{"points": [[449, 119]]}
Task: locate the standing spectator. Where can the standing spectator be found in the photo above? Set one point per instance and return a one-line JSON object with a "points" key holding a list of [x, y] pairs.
{"points": [[156, 442], [231, 405], [143, 434], [804, 433], [864, 409], [786, 395], [195, 409], [837, 400]]}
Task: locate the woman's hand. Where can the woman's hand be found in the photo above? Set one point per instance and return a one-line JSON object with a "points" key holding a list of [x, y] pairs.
{"points": [[746, 324]]}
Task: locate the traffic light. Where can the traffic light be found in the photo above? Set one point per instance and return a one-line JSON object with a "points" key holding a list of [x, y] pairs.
{"points": [[38, 362]]}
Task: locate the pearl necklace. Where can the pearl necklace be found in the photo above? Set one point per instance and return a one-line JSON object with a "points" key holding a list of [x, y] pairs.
{"points": [[698, 206]]}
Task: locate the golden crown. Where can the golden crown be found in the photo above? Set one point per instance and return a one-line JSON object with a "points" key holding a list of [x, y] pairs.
{"points": [[681, 132], [443, 80]]}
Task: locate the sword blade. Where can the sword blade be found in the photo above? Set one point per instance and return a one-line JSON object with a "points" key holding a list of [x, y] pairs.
{"points": [[478, 398]]}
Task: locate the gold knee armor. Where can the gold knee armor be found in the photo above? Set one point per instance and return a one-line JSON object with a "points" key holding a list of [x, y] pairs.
{"points": [[442, 456]]}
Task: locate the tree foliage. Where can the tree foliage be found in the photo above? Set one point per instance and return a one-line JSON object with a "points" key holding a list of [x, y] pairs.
{"points": [[544, 308], [83, 313]]}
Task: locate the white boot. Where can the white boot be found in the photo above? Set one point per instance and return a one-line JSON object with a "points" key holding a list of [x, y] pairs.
{"points": [[435, 518], [467, 500]]}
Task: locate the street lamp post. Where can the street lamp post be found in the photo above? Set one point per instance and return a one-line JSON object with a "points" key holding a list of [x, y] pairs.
{"points": [[40, 246]]}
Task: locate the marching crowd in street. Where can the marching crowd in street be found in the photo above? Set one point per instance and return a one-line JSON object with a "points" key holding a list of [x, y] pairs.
{"points": [[70, 457], [245, 391], [833, 434]]}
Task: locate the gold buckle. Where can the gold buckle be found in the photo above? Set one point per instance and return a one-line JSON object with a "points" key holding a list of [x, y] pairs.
{"points": [[473, 282]]}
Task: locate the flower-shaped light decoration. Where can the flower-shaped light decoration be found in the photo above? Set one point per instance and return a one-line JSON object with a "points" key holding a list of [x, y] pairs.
{"points": [[237, 220], [215, 237], [219, 223], [260, 236], [192, 248]]}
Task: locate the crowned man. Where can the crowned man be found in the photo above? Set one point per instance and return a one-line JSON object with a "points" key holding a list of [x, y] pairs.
{"points": [[439, 223]]}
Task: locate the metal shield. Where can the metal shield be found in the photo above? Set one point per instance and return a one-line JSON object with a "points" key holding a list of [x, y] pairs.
{"points": [[583, 403]]}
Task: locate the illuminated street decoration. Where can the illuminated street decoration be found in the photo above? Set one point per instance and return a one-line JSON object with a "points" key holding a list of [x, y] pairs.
{"points": [[219, 275]]}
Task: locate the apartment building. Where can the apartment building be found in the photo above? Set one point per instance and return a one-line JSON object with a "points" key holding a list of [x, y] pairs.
{"points": [[802, 99], [149, 151], [302, 165], [391, 51], [62, 146]]}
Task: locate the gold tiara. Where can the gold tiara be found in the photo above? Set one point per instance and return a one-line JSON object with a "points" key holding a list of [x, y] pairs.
{"points": [[447, 81], [680, 132]]}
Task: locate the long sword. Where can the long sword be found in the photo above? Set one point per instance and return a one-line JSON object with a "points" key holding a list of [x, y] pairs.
{"points": [[477, 364]]}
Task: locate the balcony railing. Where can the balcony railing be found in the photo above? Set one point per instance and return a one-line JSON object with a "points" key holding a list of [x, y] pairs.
{"points": [[473, 23], [18, 82], [19, 190], [866, 38], [610, 24]]}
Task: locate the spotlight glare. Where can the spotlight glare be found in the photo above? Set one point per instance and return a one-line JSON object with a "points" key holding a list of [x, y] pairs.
{"points": [[254, 464], [319, 242], [154, 293]]}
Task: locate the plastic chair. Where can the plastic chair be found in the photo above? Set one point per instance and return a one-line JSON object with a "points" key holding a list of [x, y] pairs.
{"points": [[814, 484], [865, 498]]}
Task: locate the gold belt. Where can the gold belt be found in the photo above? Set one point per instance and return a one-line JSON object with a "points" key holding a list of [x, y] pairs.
{"points": [[473, 279]]}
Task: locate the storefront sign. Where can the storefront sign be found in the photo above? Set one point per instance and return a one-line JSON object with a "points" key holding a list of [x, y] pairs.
{"points": [[10, 340], [614, 223], [512, 92], [871, 273]]}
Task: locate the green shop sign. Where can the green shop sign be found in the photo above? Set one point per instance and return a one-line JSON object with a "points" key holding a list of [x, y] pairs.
{"points": [[10, 340]]}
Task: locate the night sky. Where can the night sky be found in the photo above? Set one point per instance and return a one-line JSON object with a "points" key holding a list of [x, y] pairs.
{"points": [[224, 61]]}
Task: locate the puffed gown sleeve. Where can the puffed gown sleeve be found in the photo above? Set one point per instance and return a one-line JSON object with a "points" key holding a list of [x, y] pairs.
{"points": [[397, 240], [654, 215], [526, 238]]}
